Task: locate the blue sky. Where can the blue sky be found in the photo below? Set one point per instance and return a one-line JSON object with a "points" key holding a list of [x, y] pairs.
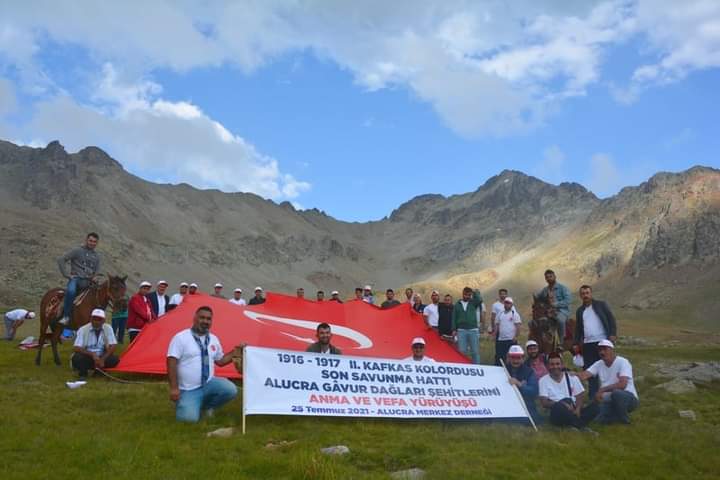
{"points": [[354, 109]]}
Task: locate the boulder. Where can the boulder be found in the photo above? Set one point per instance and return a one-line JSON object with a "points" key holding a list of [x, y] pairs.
{"points": [[409, 474], [222, 432], [677, 386], [689, 414], [335, 450]]}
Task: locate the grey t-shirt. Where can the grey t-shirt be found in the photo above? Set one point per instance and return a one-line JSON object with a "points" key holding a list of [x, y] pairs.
{"points": [[84, 263]]}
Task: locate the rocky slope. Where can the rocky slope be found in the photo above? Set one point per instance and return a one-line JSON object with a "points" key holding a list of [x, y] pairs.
{"points": [[505, 233]]}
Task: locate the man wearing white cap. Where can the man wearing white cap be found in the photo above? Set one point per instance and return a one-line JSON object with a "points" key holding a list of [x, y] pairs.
{"points": [[506, 329], [159, 300], [193, 289], [177, 298], [237, 297], [139, 311], [15, 318], [368, 295], [335, 296], [523, 377], [418, 351], [617, 396], [258, 299], [94, 345], [536, 360], [218, 291]]}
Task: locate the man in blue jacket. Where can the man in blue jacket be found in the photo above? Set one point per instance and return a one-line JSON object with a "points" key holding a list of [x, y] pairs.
{"points": [[594, 322], [524, 378], [559, 297]]}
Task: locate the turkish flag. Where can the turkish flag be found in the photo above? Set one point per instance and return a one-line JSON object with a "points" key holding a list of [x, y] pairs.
{"points": [[289, 323]]}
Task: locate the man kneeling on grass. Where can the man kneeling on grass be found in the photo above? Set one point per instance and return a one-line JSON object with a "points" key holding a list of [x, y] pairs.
{"points": [[94, 345], [191, 359], [562, 395], [617, 396]]}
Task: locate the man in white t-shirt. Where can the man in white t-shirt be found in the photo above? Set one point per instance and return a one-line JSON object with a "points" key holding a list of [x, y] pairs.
{"points": [[430, 312], [191, 359], [14, 319], [94, 345], [177, 298], [497, 307], [617, 396], [237, 297], [418, 351], [506, 329], [562, 394]]}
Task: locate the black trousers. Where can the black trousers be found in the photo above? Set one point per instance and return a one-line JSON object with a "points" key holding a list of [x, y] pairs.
{"points": [[561, 416], [84, 363], [591, 355], [501, 350]]}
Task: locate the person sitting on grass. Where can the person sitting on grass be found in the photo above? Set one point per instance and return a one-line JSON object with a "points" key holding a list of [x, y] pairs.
{"points": [[562, 395], [523, 377], [191, 359], [323, 345], [418, 351], [617, 396], [94, 346], [536, 360]]}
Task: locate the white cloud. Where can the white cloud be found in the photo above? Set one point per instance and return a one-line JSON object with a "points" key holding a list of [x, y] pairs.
{"points": [[168, 141], [605, 177], [8, 102], [485, 67]]}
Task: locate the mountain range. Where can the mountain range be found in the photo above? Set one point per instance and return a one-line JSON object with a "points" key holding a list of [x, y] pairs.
{"points": [[651, 247]]}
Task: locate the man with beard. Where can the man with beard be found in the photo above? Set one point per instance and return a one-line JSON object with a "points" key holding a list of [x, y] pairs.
{"points": [[191, 359], [523, 377], [258, 299], [536, 360], [323, 345], [562, 395]]}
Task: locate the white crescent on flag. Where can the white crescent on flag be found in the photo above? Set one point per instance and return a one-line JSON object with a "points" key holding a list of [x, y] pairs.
{"points": [[357, 337]]}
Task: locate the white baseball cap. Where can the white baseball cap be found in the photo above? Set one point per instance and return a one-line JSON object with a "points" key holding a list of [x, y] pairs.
{"points": [[258, 289], [334, 292], [434, 292], [218, 285], [516, 350], [418, 340], [508, 299], [367, 287], [530, 343], [145, 284], [31, 315], [162, 282], [195, 285], [606, 343], [238, 290], [98, 312], [183, 284]]}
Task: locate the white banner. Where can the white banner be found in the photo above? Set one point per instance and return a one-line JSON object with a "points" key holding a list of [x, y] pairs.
{"points": [[282, 382]]}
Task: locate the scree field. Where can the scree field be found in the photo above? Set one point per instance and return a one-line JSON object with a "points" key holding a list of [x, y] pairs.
{"points": [[113, 430]]}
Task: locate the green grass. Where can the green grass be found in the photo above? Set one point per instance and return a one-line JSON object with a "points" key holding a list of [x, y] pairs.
{"points": [[112, 430]]}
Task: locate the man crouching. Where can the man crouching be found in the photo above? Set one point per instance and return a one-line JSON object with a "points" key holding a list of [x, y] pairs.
{"points": [[191, 359]]}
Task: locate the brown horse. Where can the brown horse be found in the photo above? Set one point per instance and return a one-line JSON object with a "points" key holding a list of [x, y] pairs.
{"points": [[543, 328], [51, 310]]}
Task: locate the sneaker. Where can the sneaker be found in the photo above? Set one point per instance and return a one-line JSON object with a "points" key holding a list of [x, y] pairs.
{"points": [[65, 320], [590, 431]]}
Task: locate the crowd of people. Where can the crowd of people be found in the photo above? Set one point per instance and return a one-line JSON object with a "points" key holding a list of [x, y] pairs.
{"points": [[539, 377]]}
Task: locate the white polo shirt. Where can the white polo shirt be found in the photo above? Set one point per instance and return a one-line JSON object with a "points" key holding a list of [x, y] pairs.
{"points": [[506, 322], [432, 314], [87, 339], [238, 302], [184, 347], [176, 299], [608, 375], [593, 328], [556, 391], [17, 314]]}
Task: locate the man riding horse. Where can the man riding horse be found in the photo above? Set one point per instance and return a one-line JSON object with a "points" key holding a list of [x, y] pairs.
{"points": [[558, 297], [84, 266]]}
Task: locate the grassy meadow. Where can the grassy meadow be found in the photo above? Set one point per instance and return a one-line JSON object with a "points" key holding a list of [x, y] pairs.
{"points": [[112, 430]]}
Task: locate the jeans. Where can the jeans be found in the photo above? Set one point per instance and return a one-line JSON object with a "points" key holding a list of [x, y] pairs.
{"points": [[216, 393], [561, 318], [617, 407], [74, 284], [83, 363], [470, 337], [501, 350], [9, 328], [118, 326], [591, 355]]}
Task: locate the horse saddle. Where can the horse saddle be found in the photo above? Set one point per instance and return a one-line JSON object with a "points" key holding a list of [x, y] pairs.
{"points": [[79, 297]]}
